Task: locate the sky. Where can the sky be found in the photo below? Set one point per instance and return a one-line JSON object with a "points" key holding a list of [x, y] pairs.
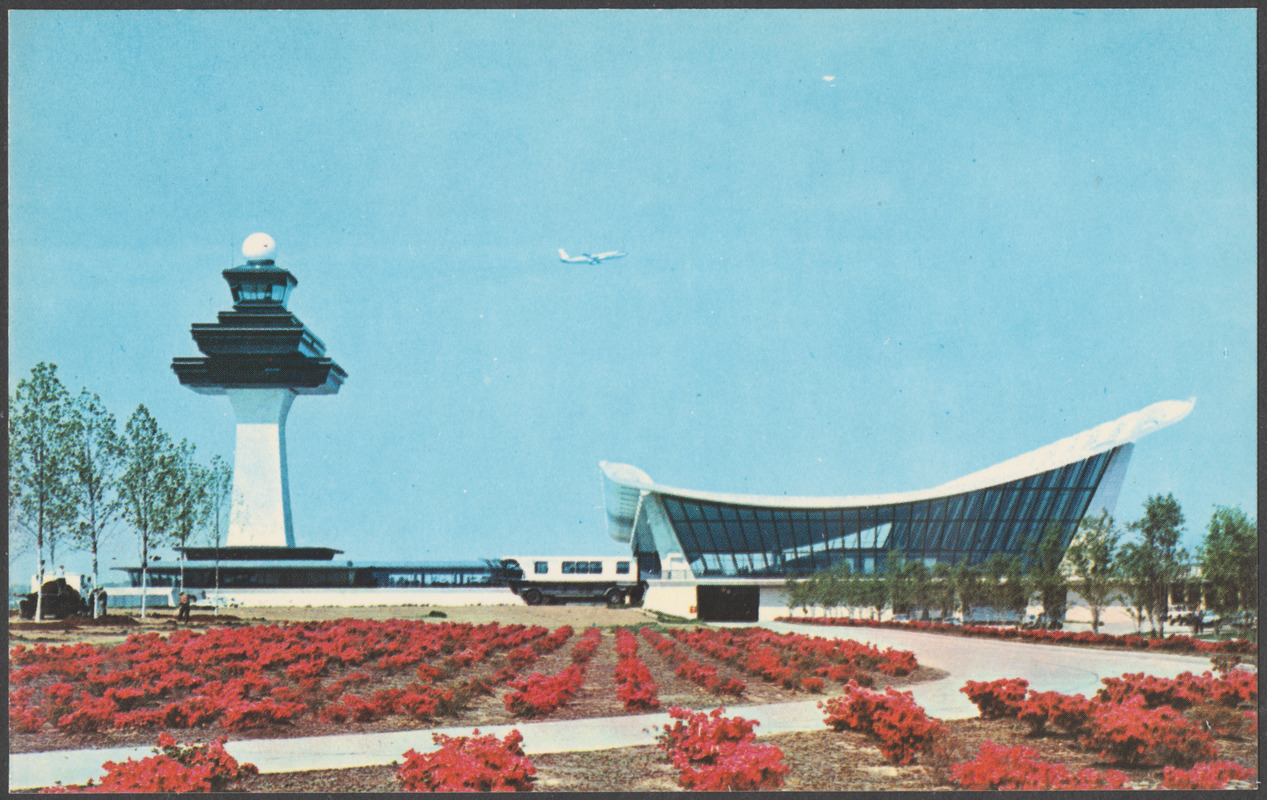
{"points": [[868, 251]]}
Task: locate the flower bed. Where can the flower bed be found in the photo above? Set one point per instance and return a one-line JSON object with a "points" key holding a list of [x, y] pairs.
{"points": [[1175, 643], [998, 767]]}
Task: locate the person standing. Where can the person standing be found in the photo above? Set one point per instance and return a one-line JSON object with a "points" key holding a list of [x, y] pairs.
{"points": [[184, 602]]}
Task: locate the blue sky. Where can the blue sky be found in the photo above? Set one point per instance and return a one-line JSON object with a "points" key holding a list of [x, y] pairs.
{"points": [[869, 251]]}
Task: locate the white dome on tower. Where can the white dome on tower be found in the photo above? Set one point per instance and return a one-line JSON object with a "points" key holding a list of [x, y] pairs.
{"points": [[259, 247]]}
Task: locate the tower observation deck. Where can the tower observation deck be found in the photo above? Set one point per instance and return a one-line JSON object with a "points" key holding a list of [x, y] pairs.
{"points": [[260, 356]]}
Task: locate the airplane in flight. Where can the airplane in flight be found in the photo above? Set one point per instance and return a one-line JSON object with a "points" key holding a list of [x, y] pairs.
{"points": [[587, 258]]}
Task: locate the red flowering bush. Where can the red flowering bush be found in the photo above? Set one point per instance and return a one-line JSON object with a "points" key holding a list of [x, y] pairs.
{"points": [[90, 714], [1129, 733], [1208, 775], [997, 699], [843, 673], [997, 767], [173, 768], [537, 694], [351, 708], [246, 715], [1070, 713], [716, 753], [586, 646], [469, 764], [900, 725], [812, 684], [634, 686]]}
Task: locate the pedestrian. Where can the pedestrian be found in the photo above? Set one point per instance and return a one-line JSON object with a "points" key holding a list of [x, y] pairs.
{"points": [[184, 602]]}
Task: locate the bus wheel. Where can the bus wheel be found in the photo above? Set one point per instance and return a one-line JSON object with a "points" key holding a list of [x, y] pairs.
{"points": [[615, 597], [531, 596]]}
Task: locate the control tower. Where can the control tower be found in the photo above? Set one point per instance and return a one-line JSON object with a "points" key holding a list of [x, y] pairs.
{"points": [[261, 356]]}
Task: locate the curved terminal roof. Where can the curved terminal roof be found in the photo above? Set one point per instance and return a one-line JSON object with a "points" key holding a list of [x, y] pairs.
{"points": [[629, 481]]}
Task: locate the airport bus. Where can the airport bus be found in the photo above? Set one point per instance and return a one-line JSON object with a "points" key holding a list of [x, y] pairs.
{"points": [[559, 579]]}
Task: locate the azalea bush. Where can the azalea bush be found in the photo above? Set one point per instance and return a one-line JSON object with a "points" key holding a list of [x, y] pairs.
{"points": [[1129, 733], [1206, 776], [1070, 713], [712, 752], [998, 767], [173, 768], [900, 725], [997, 699], [538, 695], [469, 764], [634, 686]]}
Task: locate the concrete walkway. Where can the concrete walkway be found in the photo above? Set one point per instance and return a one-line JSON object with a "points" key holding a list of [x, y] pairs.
{"points": [[1047, 668]]}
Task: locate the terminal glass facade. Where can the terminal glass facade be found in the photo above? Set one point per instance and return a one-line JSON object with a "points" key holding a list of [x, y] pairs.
{"points": [[725, 539]]}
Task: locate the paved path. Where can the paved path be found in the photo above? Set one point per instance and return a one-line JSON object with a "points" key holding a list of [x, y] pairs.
{"points": [[1047, 667]]}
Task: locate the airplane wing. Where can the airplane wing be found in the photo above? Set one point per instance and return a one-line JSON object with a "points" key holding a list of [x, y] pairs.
{"points": [[612, 254]]}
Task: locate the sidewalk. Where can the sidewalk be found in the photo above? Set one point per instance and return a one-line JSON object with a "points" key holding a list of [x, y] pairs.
{"points": [[36, 770]]}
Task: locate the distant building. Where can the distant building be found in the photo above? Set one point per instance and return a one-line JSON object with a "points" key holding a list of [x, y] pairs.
{"points": [[687, 537]]}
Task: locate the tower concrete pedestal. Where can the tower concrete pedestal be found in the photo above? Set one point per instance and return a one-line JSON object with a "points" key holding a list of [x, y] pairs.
{"points": [[260, 355], [259, 514]]}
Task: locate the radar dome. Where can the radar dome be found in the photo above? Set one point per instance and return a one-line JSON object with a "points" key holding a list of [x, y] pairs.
{"points": [[259, 247]]}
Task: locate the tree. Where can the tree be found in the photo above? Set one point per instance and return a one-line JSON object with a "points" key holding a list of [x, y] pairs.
{"points": [[992, 571], [96, 458], [895, 580], [41, 500], [917, 580], [1046, 577], [942, 589], [1092, 560], [1130, 572], [967, 581], [189, 489], [797, 592], [219, 489], [1229, 562], [1014, 590], [875, 594], [1157, 560], [148, 485]]}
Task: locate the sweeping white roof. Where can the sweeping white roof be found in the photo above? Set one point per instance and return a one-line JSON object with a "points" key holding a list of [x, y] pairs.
{"points": [[1072, 449]]}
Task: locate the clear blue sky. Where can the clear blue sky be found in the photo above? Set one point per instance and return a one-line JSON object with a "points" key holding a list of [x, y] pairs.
{"points": [[869, 251]]}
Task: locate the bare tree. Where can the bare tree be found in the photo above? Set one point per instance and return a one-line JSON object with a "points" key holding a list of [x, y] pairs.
{"points": [[41, 501], [96, 461]]}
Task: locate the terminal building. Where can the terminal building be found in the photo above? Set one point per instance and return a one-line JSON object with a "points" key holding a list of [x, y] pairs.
{"points": [[726, 556]]}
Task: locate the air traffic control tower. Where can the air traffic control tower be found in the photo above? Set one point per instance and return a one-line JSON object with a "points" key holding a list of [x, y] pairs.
{"points": [[261, 356]]}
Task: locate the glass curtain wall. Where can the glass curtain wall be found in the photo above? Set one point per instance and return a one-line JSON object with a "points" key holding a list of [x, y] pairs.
{"points": [[722, 540]]}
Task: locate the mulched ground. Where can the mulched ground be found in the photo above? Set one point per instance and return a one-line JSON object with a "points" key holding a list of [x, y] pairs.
{"points": [[820, 761], [597, 698]]}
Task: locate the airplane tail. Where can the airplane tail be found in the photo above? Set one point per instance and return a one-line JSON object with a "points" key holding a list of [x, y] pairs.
{"points": [[563, 255]]}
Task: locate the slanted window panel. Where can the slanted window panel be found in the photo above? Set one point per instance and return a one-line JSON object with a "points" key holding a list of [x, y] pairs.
{"points": [[693, 511], [711, 512]]}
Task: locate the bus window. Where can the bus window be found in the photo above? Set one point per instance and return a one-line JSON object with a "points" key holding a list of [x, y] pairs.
{"points": [[596, 568], [622, 567], [540, 567], [569, 568]]}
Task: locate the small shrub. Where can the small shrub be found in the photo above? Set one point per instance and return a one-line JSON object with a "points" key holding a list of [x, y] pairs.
{"points": [[997, 699], [1131, 734], [1208, 775], [469, 764], [997, 767]]}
